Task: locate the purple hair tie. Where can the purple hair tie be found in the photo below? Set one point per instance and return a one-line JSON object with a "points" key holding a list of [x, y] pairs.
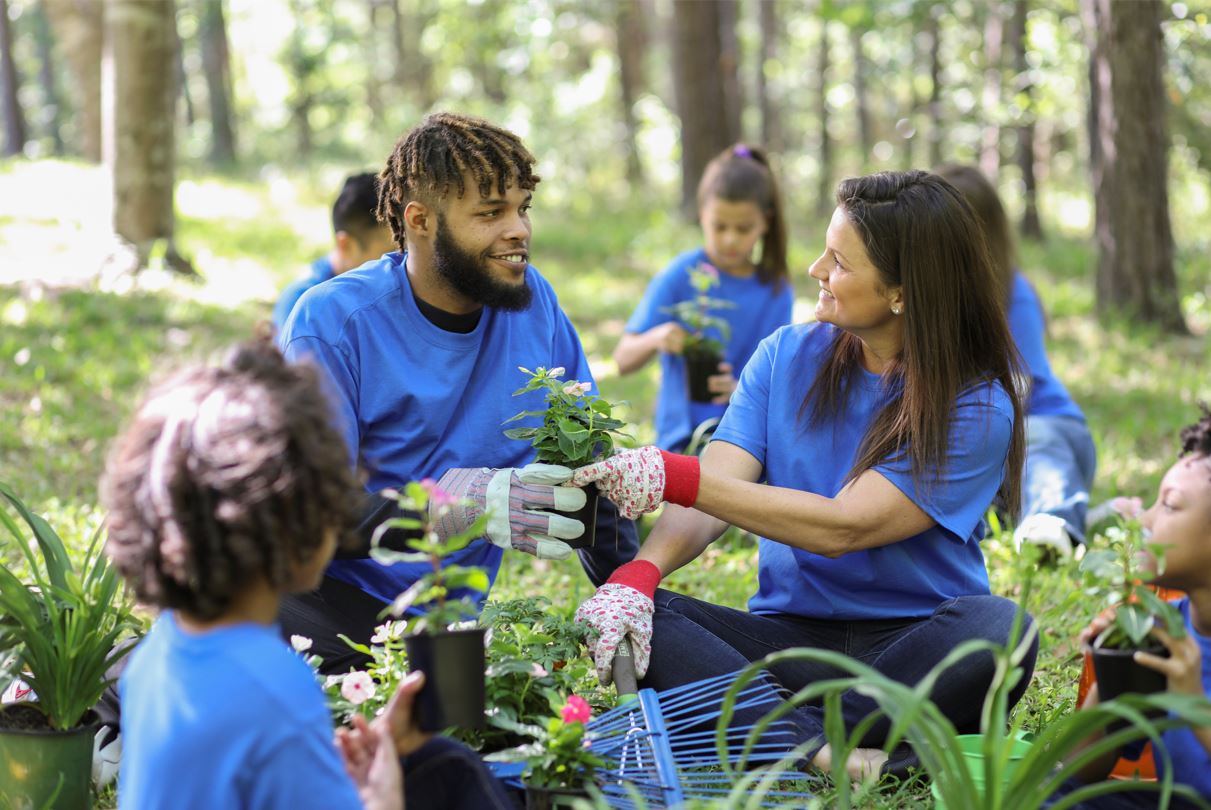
{"points": [[740, 150]]}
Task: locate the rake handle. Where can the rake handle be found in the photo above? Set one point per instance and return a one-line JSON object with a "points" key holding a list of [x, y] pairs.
{"points": [[623, 669]]}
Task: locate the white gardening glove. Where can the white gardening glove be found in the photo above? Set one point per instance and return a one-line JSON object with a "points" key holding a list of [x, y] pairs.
{"points": [[516, 500], [621, 607], [638, 480]]}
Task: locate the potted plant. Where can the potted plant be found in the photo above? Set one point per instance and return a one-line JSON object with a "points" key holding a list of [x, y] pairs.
{"points": [[578, 427], [1116, 577], [702, 350], [561, 762], [451, 657], [60, 624]]}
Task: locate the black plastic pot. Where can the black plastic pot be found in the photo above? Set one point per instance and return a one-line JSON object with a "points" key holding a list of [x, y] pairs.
{"points": [[700, 366], [544, 798], [587, 515], [453, 663], [1118, 673]]}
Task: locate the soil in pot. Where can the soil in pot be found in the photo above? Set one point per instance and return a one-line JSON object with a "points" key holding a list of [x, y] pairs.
{"points": [[544, 798], [44, 767], [700, 366], [587, 515], [453, 663]]}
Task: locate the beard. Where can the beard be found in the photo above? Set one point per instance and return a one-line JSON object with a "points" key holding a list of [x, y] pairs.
{"points": [[470, 277]]}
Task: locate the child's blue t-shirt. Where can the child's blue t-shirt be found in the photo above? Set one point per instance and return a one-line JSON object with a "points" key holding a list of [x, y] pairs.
{"points": [[759, 310], [321, 270], [230, 718], [1048, 396], [413, 400], [906, 579]]}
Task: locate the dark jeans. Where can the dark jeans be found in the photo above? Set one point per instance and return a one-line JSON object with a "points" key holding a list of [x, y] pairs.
{"points": [[1125, 800], [448, 775], [337, 607], [693, 640]]}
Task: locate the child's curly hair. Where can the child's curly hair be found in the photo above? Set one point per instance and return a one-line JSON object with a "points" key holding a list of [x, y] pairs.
{"points": [[227, 473], [1196, 438]]}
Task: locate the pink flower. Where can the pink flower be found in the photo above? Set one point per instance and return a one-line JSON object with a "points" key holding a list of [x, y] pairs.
{"points": [[577, 389], [710, 270], [576, 710], [436, 494], [357, 688], [537, 671]]}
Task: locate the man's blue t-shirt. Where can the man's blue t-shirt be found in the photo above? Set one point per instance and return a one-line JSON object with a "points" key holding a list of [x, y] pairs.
{"points": [[321, 270], [1048, 396], [906, 579], [413, 400], [230, 718], [759, 310]]}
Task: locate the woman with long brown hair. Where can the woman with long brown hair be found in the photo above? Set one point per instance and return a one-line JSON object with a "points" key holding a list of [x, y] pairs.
{"points": [[864, 450]]}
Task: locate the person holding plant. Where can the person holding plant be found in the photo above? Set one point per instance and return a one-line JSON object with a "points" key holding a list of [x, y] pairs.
{"points": [[1179, 524], [717, 300], [420, 350], [228, 490], [864, 450], [1061, 458]]}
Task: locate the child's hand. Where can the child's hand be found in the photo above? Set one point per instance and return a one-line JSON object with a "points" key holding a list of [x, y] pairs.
{"points": [[1095, 628], [372, 764], [669, 337], [722, 384], [1183, 667], [397, 719]]}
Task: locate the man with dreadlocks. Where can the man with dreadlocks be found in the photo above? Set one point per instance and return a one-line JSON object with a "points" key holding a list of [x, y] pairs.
{"points": [[421, 351]]}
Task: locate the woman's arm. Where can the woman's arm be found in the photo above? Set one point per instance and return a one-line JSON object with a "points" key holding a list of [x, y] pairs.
{"points": [[637, 348]]}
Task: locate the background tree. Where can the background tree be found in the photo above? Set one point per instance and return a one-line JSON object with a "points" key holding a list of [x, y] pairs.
{"points": [[768, 101], [79, 31], [1130, 168], [990, 97], [824, 145], [51, 112], [1024, 153], [216, 64], [10, 83], [631, 41]]}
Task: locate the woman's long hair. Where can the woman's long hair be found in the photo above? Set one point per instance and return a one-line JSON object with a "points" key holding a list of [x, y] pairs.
{"points": [[922, 236]]}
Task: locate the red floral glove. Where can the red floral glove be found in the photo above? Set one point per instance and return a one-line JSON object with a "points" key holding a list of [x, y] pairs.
{"points": [[638, 480], [622, 607]]}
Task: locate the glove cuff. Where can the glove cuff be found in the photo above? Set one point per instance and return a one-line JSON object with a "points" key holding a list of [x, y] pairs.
{"points": [[681, 475], [640, 575]]}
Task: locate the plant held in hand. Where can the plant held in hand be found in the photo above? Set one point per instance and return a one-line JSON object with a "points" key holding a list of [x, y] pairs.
{"points": [[578, 427]]}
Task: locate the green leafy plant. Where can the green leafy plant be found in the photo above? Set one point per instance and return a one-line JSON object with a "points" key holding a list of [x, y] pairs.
{"points": [[1115, 578], [59, 631], [562, 756], [695, 313], [578, 427]]}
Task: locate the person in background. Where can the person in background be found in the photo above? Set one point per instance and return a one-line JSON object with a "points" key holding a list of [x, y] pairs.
{"points": [[739, 207], [1061, 458], [357, 237]]}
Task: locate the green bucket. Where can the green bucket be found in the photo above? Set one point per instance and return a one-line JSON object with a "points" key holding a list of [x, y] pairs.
{"points": [[971, 746], [44, 769]]}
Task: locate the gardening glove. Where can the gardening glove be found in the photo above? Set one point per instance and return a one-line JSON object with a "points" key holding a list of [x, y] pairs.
{"points": [[621, 607], [514, 499], [638, 480]]}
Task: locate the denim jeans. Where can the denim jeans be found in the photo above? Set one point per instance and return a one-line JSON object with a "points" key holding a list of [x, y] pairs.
{"points": [[446, 774], [693, 640], [1124, 800], [1060, 463]]}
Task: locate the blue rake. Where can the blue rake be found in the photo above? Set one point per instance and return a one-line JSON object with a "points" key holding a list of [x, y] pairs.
{"points": [[660, 748]]}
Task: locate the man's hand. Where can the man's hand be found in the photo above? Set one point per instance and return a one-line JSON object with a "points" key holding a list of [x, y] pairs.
{"points": [[518, 501]]}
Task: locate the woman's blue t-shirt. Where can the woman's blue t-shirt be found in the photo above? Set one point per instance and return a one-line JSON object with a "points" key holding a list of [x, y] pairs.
{"points": [[759, 310], [1048, 396], [906, 579], [229, 718]]}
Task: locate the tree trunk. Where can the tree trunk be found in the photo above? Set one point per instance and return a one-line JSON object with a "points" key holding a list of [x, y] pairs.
{"points": [[771, 125], [374, 85], [824, 192], [990, 141], [698, 70], [51, 103], [139, 67], [862, 105], [413, 69], [10, 83], [1135, 274], [1030, 227], [631, 40], [79, 29], [301, 66], [729, 67], [936, 127], [183, 84], [216, 63]]}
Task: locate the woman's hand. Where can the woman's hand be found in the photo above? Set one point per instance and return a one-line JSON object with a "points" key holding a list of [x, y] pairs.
{"points": [[637, 481], [722, 385], [1183, 667]]}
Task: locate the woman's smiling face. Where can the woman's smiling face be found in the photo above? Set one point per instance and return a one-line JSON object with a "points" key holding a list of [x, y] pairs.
{"points": [[852, 293]]}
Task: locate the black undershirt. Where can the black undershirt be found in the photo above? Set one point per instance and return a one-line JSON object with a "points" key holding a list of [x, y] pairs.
{"points": [[448, 321]]}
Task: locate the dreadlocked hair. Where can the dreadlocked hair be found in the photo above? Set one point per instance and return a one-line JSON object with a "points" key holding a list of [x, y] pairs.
{"points": [[439, 153], [227, 474], [1196, 438]]}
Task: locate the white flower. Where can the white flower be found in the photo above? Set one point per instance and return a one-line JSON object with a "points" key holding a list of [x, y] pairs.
{"points": [[358, 687], [577, 389], [558, 371], [300, 643], [388, 631], [537, 671]]}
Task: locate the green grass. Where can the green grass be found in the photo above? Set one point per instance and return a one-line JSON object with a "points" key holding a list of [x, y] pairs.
{"points": [[76, 361]]}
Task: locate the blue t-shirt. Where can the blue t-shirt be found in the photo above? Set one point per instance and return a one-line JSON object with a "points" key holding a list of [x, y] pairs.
{"points": [[906, 579], [230, 718], [760, 309], [1048, 396], [321, 270], [414, 400]]}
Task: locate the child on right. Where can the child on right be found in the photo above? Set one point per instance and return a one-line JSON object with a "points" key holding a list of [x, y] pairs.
{"points": [[739, 205]]}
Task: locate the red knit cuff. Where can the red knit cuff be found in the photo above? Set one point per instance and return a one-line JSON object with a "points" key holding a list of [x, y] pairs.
{"points": [[641, 575], [681, 475]]}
